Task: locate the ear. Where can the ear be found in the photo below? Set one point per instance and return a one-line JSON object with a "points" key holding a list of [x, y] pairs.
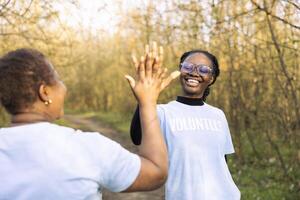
{"points": [[212, 80], [44, 93]]}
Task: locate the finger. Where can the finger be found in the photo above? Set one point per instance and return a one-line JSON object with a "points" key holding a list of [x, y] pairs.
{"points": [[135, 61], [163, 73], [131, 81], [148, 66], [157, 61], [175, 74], [141, 68], [161, 54], [155, 68], [147, 49], [153, 55], [154, 49], [168, 80]]}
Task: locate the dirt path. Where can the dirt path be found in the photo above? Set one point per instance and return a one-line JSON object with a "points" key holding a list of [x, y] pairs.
{"points": [[88, 124]]}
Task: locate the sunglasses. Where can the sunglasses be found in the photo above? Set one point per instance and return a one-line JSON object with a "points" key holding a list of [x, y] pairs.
{"points": [[200, 69]]}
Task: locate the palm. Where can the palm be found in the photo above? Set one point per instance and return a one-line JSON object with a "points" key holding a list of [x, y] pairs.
{"points": [[151, 78]]}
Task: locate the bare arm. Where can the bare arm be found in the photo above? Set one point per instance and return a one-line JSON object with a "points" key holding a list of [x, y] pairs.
{"points": [[153, 152]]}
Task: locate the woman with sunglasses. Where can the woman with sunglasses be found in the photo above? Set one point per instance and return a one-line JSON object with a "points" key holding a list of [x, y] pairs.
{"points": [[196, 134], [42, 160]]}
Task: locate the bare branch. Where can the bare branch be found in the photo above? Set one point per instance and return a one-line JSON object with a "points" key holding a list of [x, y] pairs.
{"points": [[293, 3], [272, 15]]}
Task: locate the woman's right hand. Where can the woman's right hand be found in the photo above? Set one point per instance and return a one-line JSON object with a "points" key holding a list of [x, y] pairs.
{"points": [[151, 80], [151, 77]]}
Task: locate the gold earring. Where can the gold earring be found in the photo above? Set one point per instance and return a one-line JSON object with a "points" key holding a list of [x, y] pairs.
{"points": [[48, 102]]}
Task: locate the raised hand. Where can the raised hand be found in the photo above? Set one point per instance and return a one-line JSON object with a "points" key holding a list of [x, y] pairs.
{"points": [[150, 80], [151, 77]]}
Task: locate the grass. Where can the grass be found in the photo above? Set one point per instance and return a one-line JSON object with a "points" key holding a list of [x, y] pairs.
{"points": [[263, 179], [62, 122], [114, 120], [262, 183]]}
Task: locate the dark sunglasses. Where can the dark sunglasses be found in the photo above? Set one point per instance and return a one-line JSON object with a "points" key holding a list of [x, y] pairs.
{"points": [[201, 69]]}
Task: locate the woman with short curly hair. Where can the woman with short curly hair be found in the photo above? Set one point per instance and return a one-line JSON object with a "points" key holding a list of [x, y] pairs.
{"points": [[42, 160]]}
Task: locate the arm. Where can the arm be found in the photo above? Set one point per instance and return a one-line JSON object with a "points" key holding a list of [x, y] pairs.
{"points": [[135, 128], [152, 150]]}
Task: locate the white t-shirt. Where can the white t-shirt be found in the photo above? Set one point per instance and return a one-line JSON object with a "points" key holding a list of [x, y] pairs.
{"points": [[197, 138], [44, 161]]}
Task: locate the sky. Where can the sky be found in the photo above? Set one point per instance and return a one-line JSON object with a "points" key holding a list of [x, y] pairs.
{"points": [[95, 15]]}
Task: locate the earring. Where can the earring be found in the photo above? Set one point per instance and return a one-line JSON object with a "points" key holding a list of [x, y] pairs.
{"points": [[48, 102]]}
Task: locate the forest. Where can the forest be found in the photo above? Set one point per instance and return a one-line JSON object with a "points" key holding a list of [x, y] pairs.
{"points": [[257, 43]]}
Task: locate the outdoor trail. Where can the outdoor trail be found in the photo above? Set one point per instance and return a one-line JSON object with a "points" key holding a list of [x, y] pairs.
{"points": [[89, 124]]}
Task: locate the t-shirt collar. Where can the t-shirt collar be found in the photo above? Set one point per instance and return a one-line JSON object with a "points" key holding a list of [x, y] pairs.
{"points": [[190, 101]]}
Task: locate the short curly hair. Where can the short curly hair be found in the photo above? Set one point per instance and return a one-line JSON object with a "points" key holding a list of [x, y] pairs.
{"points": [[214, 61], [21, 73]]}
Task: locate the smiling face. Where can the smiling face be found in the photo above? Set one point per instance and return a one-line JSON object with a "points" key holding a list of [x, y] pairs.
{"points": [[193, 84]]}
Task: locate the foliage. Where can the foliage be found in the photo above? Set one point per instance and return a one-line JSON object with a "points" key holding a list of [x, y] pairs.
{"points": [[256, 41]]}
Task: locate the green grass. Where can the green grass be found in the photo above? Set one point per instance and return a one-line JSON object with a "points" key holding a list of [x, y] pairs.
{"points": [[114, 120], [265, 182], [62, 122]]}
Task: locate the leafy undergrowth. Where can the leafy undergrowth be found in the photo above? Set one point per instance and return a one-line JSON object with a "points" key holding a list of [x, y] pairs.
{"points": [[263, 182]]}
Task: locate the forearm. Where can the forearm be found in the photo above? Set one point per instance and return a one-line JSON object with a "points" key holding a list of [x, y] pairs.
{"points": [[152, 145], [152, 150]]}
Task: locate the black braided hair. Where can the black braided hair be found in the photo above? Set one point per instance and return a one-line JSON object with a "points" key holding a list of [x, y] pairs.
{"points": [[214, 61]]}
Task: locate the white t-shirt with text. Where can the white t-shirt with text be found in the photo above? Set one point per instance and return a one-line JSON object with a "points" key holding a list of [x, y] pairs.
{"points": [[197, 138]]}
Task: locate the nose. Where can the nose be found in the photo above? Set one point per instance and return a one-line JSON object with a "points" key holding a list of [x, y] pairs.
{"points": [[194, 72]]}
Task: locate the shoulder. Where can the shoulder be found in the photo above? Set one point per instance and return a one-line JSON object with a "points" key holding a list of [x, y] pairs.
{"points": [[215, 110], [77, 136], [163, 108], [89, 144], [44, 129], [55, 128], [168, 105]]}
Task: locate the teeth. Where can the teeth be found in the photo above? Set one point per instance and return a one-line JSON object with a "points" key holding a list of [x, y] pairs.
{"points": [[192, 81]]}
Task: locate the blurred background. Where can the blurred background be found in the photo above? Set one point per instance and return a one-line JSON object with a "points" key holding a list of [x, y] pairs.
{"points": [[256, 42]]}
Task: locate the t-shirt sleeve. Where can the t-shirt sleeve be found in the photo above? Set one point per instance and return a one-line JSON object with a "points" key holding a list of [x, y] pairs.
{"points": [[117, 167], [228, 146]]}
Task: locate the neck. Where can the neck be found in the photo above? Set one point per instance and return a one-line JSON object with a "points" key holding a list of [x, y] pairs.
{"points": [[22, 118]]}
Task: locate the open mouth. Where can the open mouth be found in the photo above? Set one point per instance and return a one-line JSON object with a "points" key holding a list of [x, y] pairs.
{"points": [[192, 82]]}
